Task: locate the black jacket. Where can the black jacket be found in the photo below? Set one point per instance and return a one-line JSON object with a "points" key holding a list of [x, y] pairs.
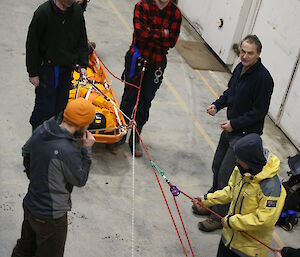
{"points": [[56, 36], [54, 164], [247, 98], [290, 252]]}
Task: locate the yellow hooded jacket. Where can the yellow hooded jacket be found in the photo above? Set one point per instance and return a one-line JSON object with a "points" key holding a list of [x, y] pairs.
{"points": [[256, 203]]}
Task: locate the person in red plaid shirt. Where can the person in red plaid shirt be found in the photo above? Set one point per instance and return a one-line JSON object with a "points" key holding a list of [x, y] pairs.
{"points": [[156, 29]]}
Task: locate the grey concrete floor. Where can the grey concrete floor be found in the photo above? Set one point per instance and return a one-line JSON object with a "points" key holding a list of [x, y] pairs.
{"points": [[179, 136]]}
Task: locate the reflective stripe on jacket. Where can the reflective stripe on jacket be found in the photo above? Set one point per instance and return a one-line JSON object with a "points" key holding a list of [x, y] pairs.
{"points": [[256, 203]]}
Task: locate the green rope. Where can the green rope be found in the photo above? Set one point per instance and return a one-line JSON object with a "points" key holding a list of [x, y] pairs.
{"points": [[158, 169]]}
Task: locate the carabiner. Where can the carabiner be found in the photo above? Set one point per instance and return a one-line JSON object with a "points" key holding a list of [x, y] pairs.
{"points": [[157, 74]]}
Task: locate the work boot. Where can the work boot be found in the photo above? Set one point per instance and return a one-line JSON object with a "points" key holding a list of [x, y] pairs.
{"points": [[209, 225], [138, 150], [199, 210]]}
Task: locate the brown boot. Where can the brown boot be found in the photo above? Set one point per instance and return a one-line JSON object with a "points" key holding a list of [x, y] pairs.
{"points": [[198, 210], [209, 225]]}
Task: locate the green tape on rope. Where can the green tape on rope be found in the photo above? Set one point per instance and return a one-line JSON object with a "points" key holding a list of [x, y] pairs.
{"points": [[158, 169]]}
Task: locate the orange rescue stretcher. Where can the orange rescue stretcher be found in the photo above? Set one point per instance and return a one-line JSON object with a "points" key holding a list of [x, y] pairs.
{"points": [[109, 125]]}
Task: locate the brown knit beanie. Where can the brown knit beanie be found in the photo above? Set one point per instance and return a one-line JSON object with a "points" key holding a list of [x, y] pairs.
{"points": [[79, 112]]}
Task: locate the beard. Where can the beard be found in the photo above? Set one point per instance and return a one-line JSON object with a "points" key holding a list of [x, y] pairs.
{"points": [[79, 133]]}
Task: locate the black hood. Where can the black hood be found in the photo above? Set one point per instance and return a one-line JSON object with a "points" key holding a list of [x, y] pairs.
{"points": [[249, 149]]}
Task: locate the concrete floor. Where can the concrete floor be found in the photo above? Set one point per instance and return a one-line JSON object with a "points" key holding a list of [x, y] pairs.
{"points": [[179, 136]]}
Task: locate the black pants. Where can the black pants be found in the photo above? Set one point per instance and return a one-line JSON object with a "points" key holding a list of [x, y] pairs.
{"points": [[41, 238], [148, 90], [50, 99], [223, 251], [223, 165]]}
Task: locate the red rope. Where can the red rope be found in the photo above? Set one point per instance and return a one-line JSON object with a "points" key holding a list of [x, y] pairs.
{"points": [[139, 90], [219, 216], [128, 83], [134, 127], [216, 214], [186, 235], [162, 191]]}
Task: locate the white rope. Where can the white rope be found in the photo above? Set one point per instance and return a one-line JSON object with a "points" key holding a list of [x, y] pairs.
{"points": [[133, 186]]}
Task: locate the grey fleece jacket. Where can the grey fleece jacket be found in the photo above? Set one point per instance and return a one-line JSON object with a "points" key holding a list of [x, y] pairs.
{"points": [[54, 164]]}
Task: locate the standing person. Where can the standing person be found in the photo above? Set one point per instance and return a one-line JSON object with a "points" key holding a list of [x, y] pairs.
{"points": [[156, 29], [54, 164], [256, 199], [56, 40], [247, 100]]}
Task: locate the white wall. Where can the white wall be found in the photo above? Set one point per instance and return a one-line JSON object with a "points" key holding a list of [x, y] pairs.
{"points": [[277, 24], [278, 27], [290, 120], [204, 15]]}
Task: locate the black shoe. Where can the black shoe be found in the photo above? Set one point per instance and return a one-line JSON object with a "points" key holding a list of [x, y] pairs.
{"points": [[138, 152], [123, 140]]}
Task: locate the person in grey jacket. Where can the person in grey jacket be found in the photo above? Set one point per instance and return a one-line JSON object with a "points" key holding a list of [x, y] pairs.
{"points": [[54, 163]]}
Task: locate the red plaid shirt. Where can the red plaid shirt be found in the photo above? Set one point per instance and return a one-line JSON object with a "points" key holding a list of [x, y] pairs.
{"points": [[149, 25]]}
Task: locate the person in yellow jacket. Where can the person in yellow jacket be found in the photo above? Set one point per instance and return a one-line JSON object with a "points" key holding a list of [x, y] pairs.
{"points": [[256, 199]]}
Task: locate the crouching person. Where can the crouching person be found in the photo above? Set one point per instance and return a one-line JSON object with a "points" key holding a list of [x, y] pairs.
{"points": [[256, 198], [54, 163]]}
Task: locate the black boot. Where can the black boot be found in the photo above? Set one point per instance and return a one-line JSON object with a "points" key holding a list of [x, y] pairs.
{"points": [[138, 150]]}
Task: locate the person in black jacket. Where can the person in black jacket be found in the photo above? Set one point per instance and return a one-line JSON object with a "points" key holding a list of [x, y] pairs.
{"points": [[54, 164], [247, 100], [56, 40], [287, 252]]}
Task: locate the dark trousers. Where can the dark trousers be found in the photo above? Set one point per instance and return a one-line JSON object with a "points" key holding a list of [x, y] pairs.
{"points": [[148, 90], [41, 238], [223, 165], [51, 97], [223, 251]]}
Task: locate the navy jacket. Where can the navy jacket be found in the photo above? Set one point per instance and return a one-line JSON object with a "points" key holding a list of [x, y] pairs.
{"points": [[54, 164], [247, 98]]}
